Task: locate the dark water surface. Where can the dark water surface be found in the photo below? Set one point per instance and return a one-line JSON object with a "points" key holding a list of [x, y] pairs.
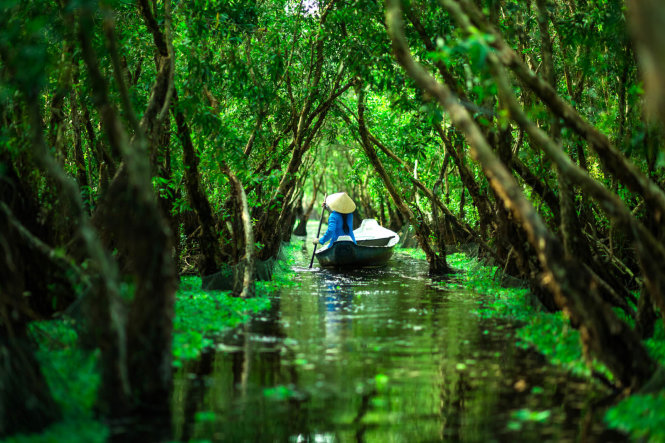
{"points": [[380, 356]]}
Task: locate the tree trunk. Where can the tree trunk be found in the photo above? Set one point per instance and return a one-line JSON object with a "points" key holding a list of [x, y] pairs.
{"points": [[140, 363], [301, 229], [479, 198], [243, 282], [437, 262], [209, 243], [646, 18]]}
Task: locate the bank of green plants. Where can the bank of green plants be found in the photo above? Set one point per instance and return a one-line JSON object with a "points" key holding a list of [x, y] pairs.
{"points": [[548, 333], [642, 416], [72, 373], [201, 315], [416, 253]]}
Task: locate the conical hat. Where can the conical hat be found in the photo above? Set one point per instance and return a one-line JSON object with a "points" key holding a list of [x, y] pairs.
{"points": [[340, 202]]}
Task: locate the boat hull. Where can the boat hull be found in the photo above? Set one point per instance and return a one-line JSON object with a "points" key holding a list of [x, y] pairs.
{"points": [[345, 254]]}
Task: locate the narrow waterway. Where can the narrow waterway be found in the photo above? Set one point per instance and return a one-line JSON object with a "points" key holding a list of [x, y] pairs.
{"points": [[379, 355]]}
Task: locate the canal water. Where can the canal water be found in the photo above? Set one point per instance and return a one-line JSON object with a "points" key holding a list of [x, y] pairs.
{"points": [[379, 355]]}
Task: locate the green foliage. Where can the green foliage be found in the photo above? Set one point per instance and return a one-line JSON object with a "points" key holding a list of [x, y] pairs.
{"points": [[381, 382], [548, 333], [522, 416], [73, 379], [656, 347], [72, 374], [60, 357], [416, 253], [507, 302], [552, 336], [23, 43], [280, 393], [641, 416], [200, 315]]}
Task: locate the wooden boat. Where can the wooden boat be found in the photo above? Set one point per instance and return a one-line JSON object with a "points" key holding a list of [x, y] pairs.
{"points": [[374, 247]]}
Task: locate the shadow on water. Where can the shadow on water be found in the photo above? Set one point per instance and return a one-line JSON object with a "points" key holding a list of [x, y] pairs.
{"points": [[379, 355]]}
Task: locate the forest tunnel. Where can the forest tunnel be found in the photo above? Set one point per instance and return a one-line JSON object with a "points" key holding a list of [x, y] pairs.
{"points": [[143, 141]]}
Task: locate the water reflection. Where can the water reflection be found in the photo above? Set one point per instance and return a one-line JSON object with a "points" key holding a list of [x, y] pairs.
{"points": [[337, 304], [377, 355]]}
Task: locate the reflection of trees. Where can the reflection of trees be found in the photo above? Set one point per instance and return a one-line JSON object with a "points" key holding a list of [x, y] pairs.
{"points": [[363, 408], [258, 364], [444, 395], [195, 391], [264, 366], [231, 386], [453, 399]]}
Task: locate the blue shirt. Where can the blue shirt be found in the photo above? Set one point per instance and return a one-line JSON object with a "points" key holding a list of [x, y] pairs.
{"points": [[336, 227]]}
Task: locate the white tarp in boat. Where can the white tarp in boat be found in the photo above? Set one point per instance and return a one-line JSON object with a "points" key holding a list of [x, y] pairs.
{"points": [[370, 229]]}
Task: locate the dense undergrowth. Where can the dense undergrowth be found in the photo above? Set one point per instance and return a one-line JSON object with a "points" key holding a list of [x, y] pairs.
{"points": [[72, 373], [641, 416]]}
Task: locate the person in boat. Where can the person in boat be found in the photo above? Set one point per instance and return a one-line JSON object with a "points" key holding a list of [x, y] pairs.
{"points": [[340, 220]]}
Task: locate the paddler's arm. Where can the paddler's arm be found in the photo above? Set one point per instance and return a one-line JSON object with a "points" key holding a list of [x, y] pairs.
{"points": [[332, 226]]}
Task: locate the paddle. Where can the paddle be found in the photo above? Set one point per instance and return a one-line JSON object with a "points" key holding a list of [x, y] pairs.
{"points": [[319, 231]]}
